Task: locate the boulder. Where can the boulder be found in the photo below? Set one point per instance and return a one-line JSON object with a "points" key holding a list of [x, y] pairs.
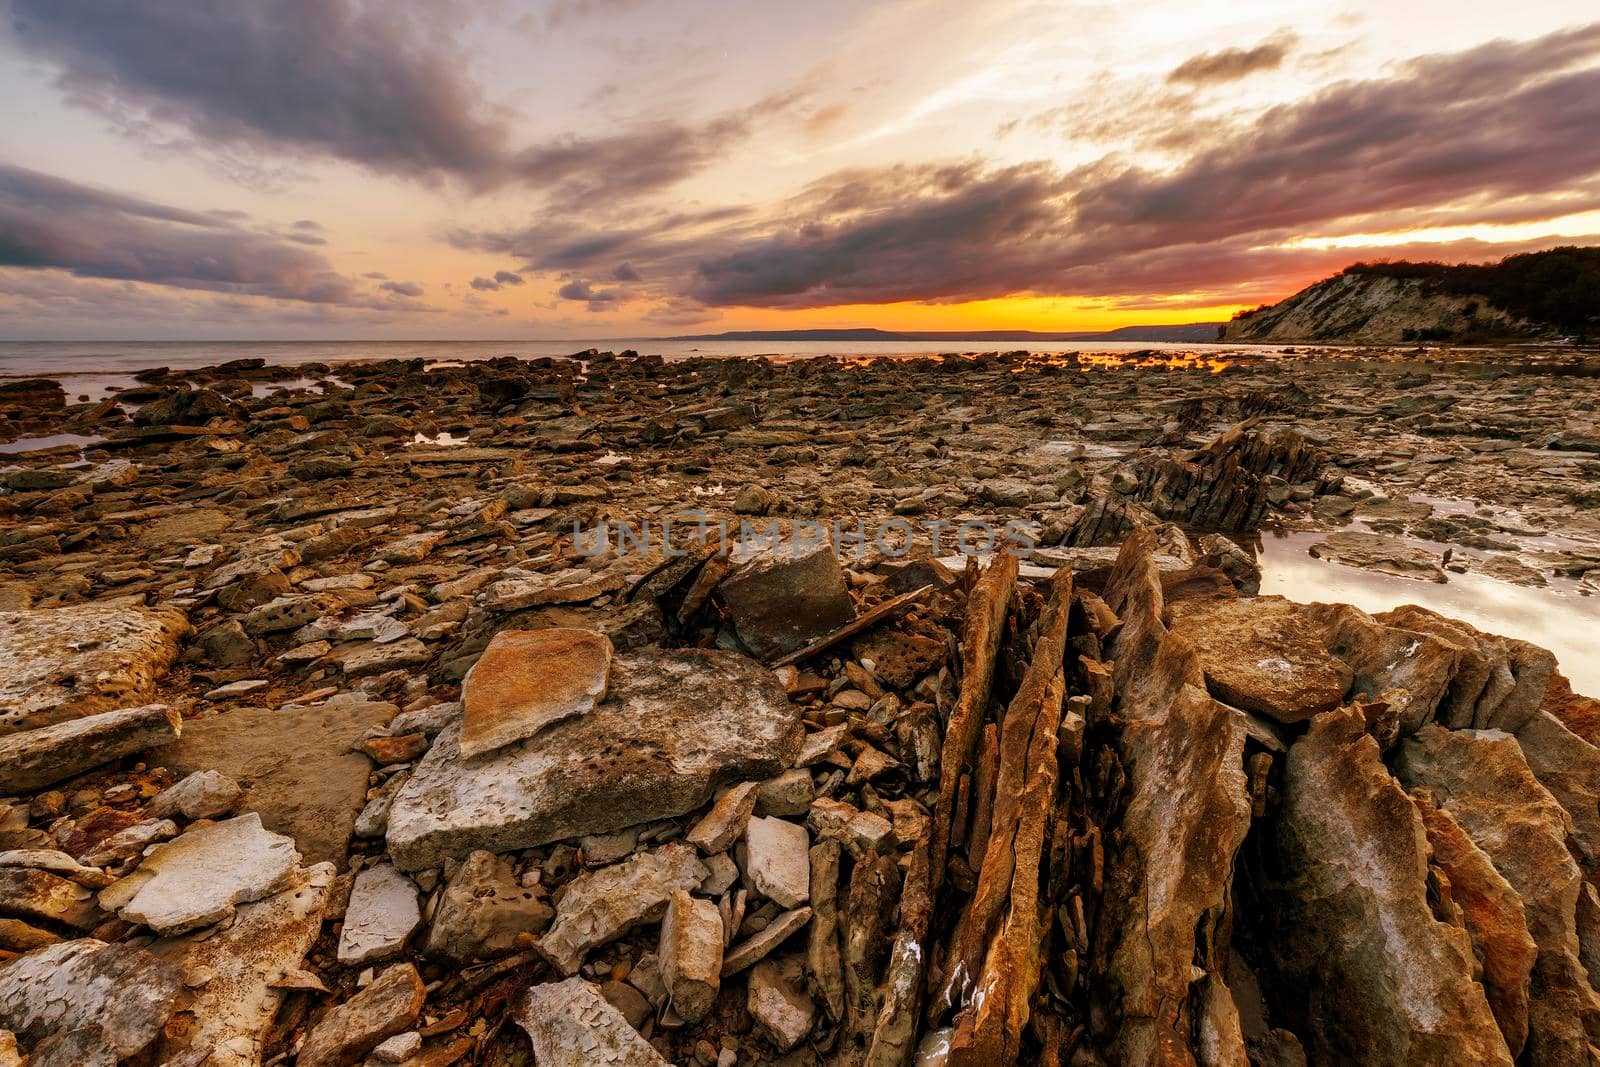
{"points": [[1385, 660], [572, 1025], [201, 795], [1499, 683], [527, 679], [1384, 981], [196, 879], [785, 595], [297, 762], [675, 726], [1264, 655], [63, 663], [36, 758], [600, 906], [123, 993]]}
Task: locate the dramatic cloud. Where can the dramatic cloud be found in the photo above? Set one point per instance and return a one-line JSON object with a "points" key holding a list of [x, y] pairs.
{"points": [[597, 299], [505, 277], [48, 223], [402, 288], [1231, 64], [324, 77], [485, 285], [347, 80]]}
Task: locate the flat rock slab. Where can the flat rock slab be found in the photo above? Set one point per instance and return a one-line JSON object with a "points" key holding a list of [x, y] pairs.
{"points": [[572, 1025], [382, 914], [600, 906], [33, 759], [241, 965], [351, 1030], [783, 597], [63, 663], [197, 879], [1375, 552], [1265, 655], [528, 679], [124, 993], [296, 762], [675, 726]]}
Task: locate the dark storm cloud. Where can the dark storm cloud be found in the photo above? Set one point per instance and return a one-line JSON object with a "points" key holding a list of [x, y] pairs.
{"points": [[1231, 64], [485, 285], [505, 277], [597, 299], [48, 223], [625, 273]]}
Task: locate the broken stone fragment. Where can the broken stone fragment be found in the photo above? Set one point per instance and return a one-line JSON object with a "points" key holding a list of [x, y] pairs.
{"points": [[36, 758], [720, 827], [788, 794], [129, 842], [348, 1031], [40, 896], [600, 906], [248, 964], [691, 954], [527, 679], [382, 914], [785, 595], [778, 1001], [572, 1025], [201, 795], [63, 663], [57, 862], [482, 911], [123, 993], [760, 945], [303, 778], [776, 860], [197, 879], [675, 726], [862, 831], [1264, 655]]}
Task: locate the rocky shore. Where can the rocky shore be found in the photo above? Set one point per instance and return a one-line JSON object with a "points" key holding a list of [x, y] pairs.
{"points": [[362, 714]]}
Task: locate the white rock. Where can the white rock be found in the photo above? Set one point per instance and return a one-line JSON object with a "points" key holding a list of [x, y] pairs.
{"points": [[572, 1025], [691, 954], [197, 879], [776, 860], [382, 914], [600, 906], [778, 1000], [201, 795]]}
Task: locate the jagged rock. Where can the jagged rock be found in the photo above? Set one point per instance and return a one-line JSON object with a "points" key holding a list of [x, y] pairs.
{"points": [[600, 906], [1499, 681], [382, 914], [201, 795], [783, 596], [690, 954], [776, 860], [1494, 916], [297, 762], [129, 842], [196, 879], [572, 1025], [1481, 779], [527, 679], [778, 1001], [1569, 767], [122, 993], [63, 663], [244, 965], [482, 911], [1387, 659], [675, 726], [350, 1030], [1385, 982], [862, 831], [790, 793], [1376, 552], [36, 758], [1263, 655]]}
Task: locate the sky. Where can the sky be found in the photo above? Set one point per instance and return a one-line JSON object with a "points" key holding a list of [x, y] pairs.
{"points": [[332, 169]]}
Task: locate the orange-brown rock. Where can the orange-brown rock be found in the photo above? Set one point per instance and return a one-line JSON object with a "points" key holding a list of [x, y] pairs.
{"points": [[527, 679]]}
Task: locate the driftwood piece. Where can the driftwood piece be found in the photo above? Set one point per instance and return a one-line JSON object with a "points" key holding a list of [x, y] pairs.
{"points": [[980, 643]]}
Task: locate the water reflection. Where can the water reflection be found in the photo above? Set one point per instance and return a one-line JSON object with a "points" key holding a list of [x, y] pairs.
{"points": [[1557, 617]]}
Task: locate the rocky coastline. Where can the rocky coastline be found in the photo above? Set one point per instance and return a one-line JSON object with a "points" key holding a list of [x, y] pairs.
{"points": [[361, 713]]}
